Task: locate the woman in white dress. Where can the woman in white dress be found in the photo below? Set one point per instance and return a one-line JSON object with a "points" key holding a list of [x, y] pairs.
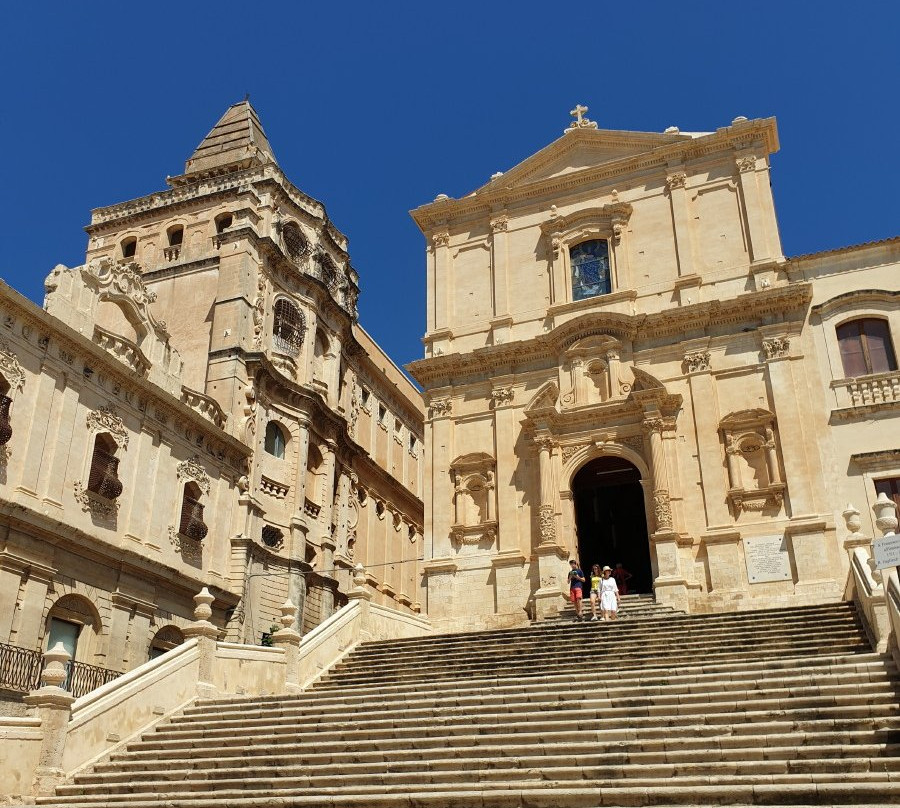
{"points": [[609, 595]]}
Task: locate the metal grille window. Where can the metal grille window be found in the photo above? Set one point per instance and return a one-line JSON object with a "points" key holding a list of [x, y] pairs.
{"points": [[104, 477], [294, 243], [5, 424], [289, 327], [192, 524], [590, 269], [272, 537]]}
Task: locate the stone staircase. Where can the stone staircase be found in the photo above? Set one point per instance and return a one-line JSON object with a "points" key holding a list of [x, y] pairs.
{"points": [[774, 707], [630, 606]]}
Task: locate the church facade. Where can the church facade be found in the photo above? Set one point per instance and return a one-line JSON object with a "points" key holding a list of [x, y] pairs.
{"points": [[621, 366], [197, 405]]}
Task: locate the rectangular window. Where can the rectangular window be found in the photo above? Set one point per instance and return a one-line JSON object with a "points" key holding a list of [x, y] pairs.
{"points": [[891, 488], [382, 413]]}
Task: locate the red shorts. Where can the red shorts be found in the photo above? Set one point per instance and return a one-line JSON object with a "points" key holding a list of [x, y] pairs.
{"points": [[576, 593]]}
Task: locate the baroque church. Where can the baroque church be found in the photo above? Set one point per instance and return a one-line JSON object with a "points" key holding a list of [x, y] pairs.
{"points": [[198, 405], [621, 366]]}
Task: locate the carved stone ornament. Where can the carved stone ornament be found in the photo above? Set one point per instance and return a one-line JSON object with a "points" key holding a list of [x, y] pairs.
{"points": [[696, 361], [502, 395], [190, 549], [106, 420], [662, 510], [441, 406], [747, 163], [471, 535], [193, 470], [10, 368], [259, 312], [676, 180], [776, 347], [547, 522], [123, 283], [441, 239], [500, 224], [93, 503], [650, 425], [569, 451], [580, 121]]}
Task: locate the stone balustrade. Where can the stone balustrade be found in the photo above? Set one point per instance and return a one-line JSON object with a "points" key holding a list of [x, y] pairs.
{"points": [[123, 349], [867, 391], [204, 405]]}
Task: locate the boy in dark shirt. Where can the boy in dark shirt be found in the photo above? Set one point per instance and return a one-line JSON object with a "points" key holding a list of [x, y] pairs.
{"points": [[576, 593]]}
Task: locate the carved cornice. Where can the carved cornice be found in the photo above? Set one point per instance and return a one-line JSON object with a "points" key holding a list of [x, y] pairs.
{"points": [[670, 323]]}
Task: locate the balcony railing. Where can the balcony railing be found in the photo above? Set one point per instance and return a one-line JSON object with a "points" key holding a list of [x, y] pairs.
{"points": [[873, 391], [20, 671]]}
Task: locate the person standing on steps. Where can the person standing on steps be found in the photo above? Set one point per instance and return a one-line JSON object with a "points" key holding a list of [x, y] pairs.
{"points": [[622, 576], [596, 579], [576, 593], [609, 595]]}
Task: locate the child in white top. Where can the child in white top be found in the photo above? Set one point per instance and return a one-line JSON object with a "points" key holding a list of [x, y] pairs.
{"points": [[609, 595]]}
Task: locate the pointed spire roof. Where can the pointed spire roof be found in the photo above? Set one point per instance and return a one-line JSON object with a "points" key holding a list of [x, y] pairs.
{"points": [[237, 141]]}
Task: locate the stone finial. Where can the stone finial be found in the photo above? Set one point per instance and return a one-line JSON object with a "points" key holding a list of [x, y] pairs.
{"points": [[288, 613], [203, 609], [580, 121], [55, 662], [359, 576], [852, 519], [885, 515]]}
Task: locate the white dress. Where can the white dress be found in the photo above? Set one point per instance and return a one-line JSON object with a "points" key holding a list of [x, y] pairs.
{"points": [[609, 589]]}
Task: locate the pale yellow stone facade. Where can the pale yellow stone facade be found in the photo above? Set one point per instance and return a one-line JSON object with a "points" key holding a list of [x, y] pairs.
{"points": [[703, 374], [210, 344]]}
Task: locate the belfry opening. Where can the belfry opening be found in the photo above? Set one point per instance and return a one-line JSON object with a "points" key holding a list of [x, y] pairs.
{"points": [[611, 519]]}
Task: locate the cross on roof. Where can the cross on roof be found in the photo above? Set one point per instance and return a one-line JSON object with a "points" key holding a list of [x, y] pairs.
{"points": [[577, 113]]}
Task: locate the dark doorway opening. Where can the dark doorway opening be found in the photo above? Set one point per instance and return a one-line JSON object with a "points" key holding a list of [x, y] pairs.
{"points": [[611, 520]]}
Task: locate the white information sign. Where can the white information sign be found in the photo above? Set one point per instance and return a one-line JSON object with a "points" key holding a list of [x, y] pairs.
{"points": [[767, 559], [886, 551]]}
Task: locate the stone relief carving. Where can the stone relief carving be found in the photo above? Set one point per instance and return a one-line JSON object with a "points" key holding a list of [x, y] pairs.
{"points": [[259, 312], [751, 453], [662, 510], [441, 239], [547, 522], [105, 419], [676, 180], [696, 361], [10, 368], [500, 224], [502, 395], [193, 470], [122, 282], [776, 347], [441, 406], [91, 502], [190, 549], [747, 163]]}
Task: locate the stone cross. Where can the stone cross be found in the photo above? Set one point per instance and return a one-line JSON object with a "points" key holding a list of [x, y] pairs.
{"points": [[578, 114]]}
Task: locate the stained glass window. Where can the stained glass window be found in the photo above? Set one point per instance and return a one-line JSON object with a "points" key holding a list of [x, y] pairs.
{"points": [[590, 269]]}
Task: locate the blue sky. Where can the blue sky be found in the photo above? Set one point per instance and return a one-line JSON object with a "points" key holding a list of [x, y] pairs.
{"points": [[376, 108]]}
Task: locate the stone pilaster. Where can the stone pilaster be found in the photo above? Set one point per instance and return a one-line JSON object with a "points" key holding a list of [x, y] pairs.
{"points": [[505, 430], [676, 182], [757, 237]]}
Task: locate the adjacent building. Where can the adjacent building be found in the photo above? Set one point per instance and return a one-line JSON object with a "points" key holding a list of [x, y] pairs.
{"points": [[197, 405], [621, 366]]}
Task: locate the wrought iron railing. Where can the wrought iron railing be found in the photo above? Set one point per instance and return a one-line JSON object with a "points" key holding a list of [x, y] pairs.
{"points": [[20, 671]]}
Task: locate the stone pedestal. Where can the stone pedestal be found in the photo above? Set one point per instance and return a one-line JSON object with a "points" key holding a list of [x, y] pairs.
{"points": [[207, 635], [288, 639], [670, 586], [726, 576], [509, 583], [813, 559], [550, 596]]}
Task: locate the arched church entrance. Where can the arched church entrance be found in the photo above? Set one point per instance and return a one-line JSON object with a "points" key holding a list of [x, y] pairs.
{"points": [[611, 520]]}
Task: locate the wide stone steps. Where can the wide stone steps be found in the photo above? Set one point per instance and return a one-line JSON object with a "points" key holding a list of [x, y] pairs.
{"points": [[775, 708]]}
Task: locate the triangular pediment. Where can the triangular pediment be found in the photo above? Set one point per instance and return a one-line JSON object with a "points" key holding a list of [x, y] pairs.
{"points": [[580, 150]]}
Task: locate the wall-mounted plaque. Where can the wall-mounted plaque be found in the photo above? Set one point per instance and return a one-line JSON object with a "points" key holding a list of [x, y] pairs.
{"points": [[767, 559]]}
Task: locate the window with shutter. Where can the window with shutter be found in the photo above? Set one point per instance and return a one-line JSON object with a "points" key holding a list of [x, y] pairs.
{"points": [[866, 347]]}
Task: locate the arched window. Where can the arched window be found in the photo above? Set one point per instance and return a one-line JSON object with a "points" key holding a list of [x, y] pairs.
{"points": [[275, 441], [175, 235], [866, 347], [329, 271], [129, 247], [191, 524], [74, 621], [289, 327], [294, 243], [223, 222], [590, 269], [104, 475], [167, 638]]}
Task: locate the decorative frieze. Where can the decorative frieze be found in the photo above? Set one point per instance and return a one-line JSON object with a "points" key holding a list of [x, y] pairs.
{"points": [[472, 535], [105, 419]]}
